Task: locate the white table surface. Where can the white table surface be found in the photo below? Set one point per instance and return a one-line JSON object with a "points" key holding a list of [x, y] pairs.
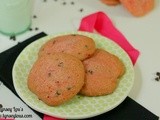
{"points": [[143, 33]]}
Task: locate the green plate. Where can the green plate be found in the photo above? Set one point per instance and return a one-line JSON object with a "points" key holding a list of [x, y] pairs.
{"points": [[80, 106]]}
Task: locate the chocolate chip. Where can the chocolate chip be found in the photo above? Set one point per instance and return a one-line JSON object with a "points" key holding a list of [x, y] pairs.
{"points": [[1, 106], [13, 37], [55, 0], [53, 42], [157, 78], [57, 93], [69, 88], [81, 10], [86, 46], [64, 3], [34, 16], [36, 28], [30, 29], [90, 71], [49, 74], [158, 73], [44, 0], [72, 3], [60, 64], [57, 82]]}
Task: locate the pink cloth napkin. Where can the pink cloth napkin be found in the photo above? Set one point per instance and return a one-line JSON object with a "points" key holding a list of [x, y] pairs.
{"points": [[46, 117], [103, 25]]}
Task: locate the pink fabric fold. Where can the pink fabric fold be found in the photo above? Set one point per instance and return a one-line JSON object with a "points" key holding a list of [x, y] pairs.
{"points": [[7, 119], [104, 26], [46, 117]]}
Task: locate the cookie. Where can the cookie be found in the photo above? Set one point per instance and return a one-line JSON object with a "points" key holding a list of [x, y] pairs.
{"points": [[77, 45], [111, 2], [138, 7], [56, 78], [103, 71]]}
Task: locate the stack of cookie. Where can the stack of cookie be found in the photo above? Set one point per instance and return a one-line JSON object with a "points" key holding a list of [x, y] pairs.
{"points": [[71, 64], [135, 7]]}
